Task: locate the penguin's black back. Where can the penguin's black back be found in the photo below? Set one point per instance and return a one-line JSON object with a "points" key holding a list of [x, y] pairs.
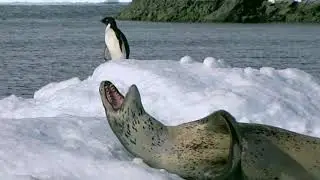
{"points": [[123, 42]]}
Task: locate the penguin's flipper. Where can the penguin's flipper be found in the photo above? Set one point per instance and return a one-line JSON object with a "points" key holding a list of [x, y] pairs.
{"points": [[124, 45], [107, 56], [123, 49]]}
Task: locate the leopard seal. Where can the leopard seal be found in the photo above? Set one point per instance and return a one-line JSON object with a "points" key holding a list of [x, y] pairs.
{"points": [[215, 147]]}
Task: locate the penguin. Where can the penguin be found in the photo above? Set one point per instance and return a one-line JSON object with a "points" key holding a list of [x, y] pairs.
{"points": [[116, 44]]}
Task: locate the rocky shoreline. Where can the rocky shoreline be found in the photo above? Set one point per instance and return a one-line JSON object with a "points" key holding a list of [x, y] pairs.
{"points": [[233, 11]]}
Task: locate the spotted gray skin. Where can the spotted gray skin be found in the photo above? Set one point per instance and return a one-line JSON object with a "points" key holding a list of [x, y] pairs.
{"points": [[273, 153], [215, 147]]}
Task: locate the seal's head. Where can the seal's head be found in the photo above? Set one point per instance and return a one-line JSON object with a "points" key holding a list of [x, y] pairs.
{"points": [[115, 103], [109, 21]]}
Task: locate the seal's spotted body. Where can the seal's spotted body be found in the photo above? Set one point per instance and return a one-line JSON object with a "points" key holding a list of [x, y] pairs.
{"points": [[276, 153], [214, 147]]}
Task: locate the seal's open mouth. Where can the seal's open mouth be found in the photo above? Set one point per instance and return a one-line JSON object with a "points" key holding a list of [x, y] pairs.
{"points": [[114, 97]]}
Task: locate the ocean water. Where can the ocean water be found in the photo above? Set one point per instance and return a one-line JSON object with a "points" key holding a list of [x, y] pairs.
{"points": [[49, 43]]}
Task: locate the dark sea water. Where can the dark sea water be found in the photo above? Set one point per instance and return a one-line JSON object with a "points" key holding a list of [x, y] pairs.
{"points": [[49, 43]]}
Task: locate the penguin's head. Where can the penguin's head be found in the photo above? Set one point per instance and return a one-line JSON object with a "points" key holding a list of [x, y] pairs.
{"points": [[109, 21]]}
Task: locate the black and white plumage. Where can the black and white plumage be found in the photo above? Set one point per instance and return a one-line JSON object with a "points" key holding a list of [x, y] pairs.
{"points": [[116, 44]]}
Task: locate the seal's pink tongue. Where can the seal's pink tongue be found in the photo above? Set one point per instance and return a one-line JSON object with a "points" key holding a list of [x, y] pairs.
{"points": [[114, 97]]}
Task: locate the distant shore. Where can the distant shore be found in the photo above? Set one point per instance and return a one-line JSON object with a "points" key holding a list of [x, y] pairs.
{"points": [[233, 11]]}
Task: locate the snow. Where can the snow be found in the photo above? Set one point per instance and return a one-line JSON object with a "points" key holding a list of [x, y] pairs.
{"points": [[62, 133], [273, 1], [186, 60]]}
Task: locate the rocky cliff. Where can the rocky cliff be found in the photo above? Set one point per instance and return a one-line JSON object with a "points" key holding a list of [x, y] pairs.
{"points": [[243, 11]]}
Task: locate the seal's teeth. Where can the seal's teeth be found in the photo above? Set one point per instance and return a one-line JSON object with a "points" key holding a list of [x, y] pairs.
{"points": [[113, 96], [111, 87], [108, 95]]}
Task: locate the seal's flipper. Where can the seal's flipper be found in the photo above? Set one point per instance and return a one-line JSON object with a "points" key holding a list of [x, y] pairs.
{"points": [[107, 55], [223, 122]]}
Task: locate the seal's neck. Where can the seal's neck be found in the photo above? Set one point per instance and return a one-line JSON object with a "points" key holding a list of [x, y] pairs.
{"points": [[141, 134]]}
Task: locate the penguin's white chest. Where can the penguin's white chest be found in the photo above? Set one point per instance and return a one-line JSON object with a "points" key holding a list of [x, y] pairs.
{"points": [[112, 43]]}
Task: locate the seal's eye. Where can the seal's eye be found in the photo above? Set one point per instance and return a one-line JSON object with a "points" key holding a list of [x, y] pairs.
{"points": [[114, 97]]}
